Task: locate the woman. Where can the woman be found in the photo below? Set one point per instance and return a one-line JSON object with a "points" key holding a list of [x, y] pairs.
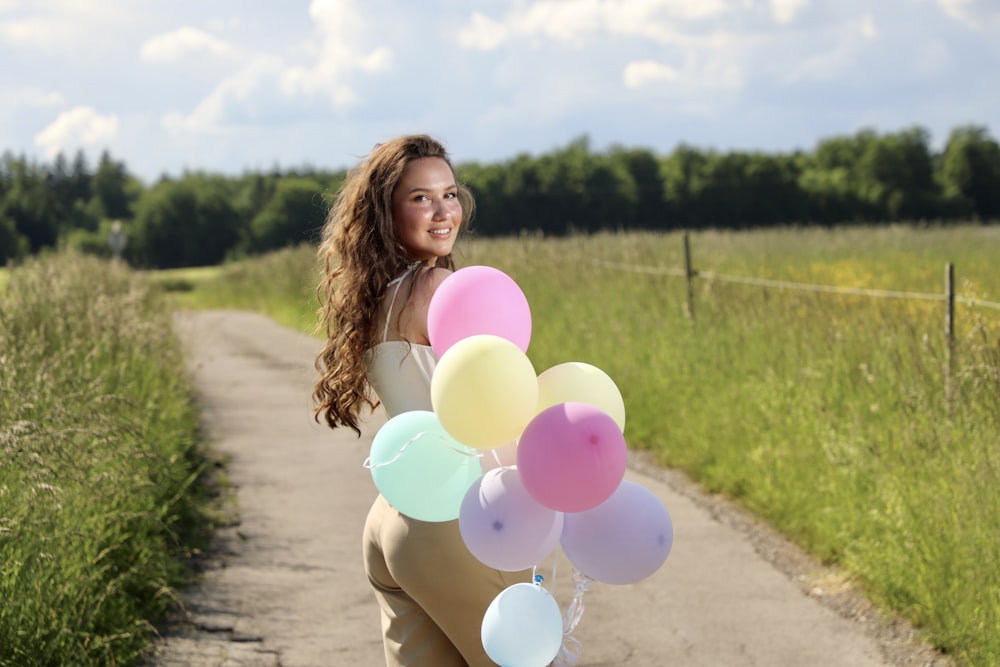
{"points": [[386, 246]]}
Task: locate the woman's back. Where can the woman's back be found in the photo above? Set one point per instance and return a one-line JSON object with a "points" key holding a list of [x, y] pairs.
{"points": [[400, 373], [400, 370]]}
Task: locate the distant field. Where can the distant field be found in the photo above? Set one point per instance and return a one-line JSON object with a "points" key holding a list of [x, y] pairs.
{"points": [[829, 415], [186, 279], [278, 285]]}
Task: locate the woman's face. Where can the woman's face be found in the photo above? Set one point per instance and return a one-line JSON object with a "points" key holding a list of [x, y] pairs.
{"points": [[426, 209]]}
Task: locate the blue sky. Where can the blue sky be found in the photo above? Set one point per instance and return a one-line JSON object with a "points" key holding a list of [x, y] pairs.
{"points": [[234, 85]]}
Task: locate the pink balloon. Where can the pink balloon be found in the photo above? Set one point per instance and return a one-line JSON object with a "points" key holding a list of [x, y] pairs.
{"points": [[478, 300], [621, 541], [503, 526], [571, 456]]}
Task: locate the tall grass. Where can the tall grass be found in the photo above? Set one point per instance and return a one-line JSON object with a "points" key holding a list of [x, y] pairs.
{"points": [[828, 415], [98, 493]]}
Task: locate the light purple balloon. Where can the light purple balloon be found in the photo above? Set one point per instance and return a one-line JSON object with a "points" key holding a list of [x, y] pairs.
{"points": [[572, 456], [621, 541], [478, 300], [503, 526]]}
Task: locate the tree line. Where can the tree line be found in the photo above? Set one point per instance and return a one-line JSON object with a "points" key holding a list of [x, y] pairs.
{"points": [[201, 218]]}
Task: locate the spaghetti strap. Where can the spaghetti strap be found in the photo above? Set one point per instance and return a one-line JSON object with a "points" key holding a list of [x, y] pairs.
{"points": [[392, 303]]}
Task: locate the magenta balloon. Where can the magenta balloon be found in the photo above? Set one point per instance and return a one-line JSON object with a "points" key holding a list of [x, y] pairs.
{"points": [[503, 526], [621, 541], [478, 300], [571, 456]]}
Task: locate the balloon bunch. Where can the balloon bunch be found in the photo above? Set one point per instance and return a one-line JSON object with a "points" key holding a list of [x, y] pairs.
{"points": [[567, 486]]}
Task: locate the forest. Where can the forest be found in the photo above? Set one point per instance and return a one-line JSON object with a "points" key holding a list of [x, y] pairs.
{"points": [[201, 218]]}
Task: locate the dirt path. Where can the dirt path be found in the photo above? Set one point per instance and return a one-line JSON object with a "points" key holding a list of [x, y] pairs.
{"points": [[285, 586]]}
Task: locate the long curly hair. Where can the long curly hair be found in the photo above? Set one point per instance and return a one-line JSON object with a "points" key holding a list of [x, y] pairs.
{"points": [[359, 254]]}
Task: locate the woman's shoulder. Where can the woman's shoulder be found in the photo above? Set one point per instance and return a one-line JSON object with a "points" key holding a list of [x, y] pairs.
{"points": [[428, 280]]}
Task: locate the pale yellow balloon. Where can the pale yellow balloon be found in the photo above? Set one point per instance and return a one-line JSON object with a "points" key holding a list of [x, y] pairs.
{"points": [[577, 382], [484, 391]]}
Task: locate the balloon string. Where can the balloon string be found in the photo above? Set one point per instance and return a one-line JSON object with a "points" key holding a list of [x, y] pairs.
{"points": [[465, 452], [569, 652]]}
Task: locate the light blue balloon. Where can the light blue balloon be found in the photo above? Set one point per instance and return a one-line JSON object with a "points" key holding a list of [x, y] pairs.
{"points": [[421, 470], [522, 627]]}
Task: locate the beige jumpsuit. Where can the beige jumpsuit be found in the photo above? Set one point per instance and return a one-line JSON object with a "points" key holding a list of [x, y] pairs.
{"points": [[431, 590]]}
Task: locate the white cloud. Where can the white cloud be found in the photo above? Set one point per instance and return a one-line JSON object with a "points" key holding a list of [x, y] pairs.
{"points": [[981, 14], [784, 11], [342, 30], [246, 97], [645, 72], [35, 97], [867, 27], [78, 127], [576, 21], [75, 28], [482, 33], [36, 33], [268, 87], [184, 43], [831, 64], [25, 102], [692, 33]]}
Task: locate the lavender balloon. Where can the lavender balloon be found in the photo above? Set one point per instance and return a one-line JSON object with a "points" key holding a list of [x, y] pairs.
{"points": [[621, 541], [503, 526]]}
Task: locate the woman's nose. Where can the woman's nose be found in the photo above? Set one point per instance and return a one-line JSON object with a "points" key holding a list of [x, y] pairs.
{"points": [[441, 209]]}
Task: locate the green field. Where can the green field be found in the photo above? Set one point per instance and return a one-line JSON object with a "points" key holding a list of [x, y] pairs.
{"points": [[843, 420]]}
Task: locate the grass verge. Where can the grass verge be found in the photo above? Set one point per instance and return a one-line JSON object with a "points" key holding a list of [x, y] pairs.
{"points": [[99, 489]]}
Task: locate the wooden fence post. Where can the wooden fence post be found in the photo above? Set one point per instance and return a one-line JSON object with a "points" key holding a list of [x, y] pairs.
{"points": [[949, 328], [689, 278]]}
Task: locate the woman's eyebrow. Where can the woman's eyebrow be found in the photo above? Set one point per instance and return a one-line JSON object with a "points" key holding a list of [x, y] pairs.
{"points": [[424, 188]]}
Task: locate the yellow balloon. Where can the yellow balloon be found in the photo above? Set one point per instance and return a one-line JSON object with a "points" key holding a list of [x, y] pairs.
{"points": [[484, 391], [581, 383]]}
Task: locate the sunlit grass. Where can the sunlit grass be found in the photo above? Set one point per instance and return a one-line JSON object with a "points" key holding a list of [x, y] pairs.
{"points": [[98, 445], [182, 284], [280, 285], [835, 417]]}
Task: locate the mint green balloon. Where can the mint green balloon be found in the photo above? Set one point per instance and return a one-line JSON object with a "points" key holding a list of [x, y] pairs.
{"points": [[421, 470]]}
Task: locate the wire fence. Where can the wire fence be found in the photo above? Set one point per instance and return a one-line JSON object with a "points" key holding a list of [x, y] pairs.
{"points": [[947, 296], [690, 274]]}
